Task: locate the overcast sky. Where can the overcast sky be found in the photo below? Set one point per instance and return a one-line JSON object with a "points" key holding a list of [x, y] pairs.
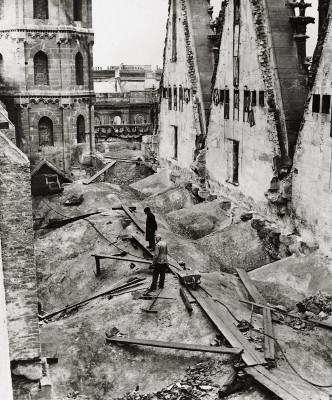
{"points": [[133, 31]]}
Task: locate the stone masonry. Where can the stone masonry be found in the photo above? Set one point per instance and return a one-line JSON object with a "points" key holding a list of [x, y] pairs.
{"points": [[47, 82], [18, 259]]}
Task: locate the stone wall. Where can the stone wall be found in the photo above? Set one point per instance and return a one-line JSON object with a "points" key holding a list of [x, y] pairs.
{"points": [[258, 95], [18, 257], [185, 119], [63, 99], [5, 376], [312, 173]]}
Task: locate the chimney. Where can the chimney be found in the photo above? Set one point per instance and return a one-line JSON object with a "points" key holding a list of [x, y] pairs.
{"points": [[300, 23]]}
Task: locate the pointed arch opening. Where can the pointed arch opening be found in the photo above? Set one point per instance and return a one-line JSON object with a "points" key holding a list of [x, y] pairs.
{"points": [[78, 10], [40, 9], [79, 69], [41, 69], [80, 129], [45, 130]]}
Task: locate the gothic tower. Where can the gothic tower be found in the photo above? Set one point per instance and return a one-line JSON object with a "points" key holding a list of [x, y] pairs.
{"points": [[46, 78]]}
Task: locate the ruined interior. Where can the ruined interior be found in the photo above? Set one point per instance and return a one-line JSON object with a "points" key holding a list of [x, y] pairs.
{"points": [[229, 145]]}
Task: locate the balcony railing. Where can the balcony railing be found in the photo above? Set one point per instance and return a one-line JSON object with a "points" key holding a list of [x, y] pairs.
{"points": [[104, 133]]}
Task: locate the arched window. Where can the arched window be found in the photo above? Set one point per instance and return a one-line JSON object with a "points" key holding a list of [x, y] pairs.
{"points": [[77, 10], [79, 69], [41, 68], [97, 120], [40, 9], [80, 129], [117, 120], [2, 78], [45, 129], [139, 119]]}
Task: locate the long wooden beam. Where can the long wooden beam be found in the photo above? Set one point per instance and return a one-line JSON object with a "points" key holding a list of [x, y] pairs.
{"points": [[133, 218], [108, 166], [269, 351], [102, 256], [178, 346]]}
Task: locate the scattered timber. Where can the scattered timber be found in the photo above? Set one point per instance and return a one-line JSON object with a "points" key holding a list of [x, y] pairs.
{"points": [[269, 352], [133, 218], [103, 170], [178, 346], [131, 208], [278, 311], [149, 309], [58, 223], [186, 301], [272, 380], [115, 289], [126, 160]]}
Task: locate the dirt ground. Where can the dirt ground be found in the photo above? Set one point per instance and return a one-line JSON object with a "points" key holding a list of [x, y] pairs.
{"points": [[89, 367]]}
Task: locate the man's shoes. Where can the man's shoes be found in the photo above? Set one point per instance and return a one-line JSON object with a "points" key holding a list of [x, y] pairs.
{"points": [[152, 289], [161, 287]]}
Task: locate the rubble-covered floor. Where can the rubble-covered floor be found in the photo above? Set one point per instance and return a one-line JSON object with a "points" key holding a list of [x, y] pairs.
{"points": [[90, 368]]}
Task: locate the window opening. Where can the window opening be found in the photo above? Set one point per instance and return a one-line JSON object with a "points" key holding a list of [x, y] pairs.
{"points": [[326, 103], [45, 130], [176, 144], [261, 98], [236, 104], [316, 103], [175, 90], [40, 9], [253, 98], [80, 129], [226, 108], [41, 69], [79, 69], [77, 10]]}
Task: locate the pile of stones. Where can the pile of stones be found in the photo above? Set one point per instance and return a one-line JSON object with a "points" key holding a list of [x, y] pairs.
{"points": [[195, 385]]}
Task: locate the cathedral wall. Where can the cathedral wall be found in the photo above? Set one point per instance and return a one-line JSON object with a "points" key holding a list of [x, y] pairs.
{"points": [[240, 150], [178, 124], [312, 172]]}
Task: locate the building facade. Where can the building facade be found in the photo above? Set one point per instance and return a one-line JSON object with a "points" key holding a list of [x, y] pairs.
{"points": [[260, 87], [186, 84], [312, 171], [126, 99], [46, 77]]}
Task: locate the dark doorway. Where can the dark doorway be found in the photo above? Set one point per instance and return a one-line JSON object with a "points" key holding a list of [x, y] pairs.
{"points": [[235, 173], [176, 143]]}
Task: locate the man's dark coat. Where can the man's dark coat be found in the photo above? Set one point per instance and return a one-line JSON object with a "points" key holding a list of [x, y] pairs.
{"points": [[151, 226]]}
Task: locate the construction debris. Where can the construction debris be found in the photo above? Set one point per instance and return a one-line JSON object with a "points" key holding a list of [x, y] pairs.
{"points": [[58, 223]]}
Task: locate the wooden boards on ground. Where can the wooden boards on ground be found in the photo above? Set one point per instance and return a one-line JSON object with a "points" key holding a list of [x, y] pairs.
{"points": [[178, 346], [108, 166], [269, 352]]}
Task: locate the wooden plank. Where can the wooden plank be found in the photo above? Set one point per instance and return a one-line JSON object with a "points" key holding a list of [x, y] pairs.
{"points": [[133, 218], [108, 166], [276, 310], [135, 241], [102, 256], [224, 323], [58, 223], [269, 351], [186, 300], [178, 346]]}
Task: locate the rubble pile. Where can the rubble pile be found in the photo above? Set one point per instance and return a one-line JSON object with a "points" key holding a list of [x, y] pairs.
{"points": [[195, 385], [317, 306]]}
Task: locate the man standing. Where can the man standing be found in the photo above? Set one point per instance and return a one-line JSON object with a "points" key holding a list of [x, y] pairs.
{"points": [[151, 227], [160, 264]]}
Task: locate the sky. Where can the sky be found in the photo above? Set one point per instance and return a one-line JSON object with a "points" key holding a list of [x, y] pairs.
{"points": [[133, 31]]}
